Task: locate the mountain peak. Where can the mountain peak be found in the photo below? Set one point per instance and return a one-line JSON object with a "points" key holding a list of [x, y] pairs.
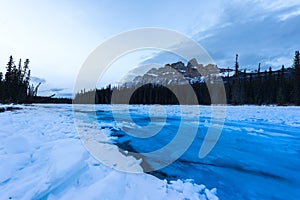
{"points": [[178, 73], [192, 63]]}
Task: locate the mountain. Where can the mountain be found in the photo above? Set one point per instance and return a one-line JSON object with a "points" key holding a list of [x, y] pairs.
{"points": [[179, 73]]}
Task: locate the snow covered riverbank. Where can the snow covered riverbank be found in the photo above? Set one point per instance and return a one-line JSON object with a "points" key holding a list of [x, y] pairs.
{"points": [[42, 158], [11, 107]]}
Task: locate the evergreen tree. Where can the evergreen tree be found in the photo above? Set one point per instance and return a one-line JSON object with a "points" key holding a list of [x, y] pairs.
{"points": [[9, 67], [14, 88], [236, 84], [271, 88], [250, 87], [236, 65], [258, 87], [243, 89], [297, 78], [280, 86], [1, 87], [228, 87], [281, 94], [8, 80]]}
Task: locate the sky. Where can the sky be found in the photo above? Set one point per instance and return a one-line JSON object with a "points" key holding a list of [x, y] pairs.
{"points": [[58, 36]]}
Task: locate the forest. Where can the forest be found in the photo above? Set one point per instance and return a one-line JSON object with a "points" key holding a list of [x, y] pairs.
{"points": [[15, 86], [280, 87]]}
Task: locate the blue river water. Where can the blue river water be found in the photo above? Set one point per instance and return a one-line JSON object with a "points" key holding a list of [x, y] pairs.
{"points": [[251, 160]]}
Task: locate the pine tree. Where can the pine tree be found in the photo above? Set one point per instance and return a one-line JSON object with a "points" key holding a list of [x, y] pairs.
{"points": [[281, 93], [8, 74], [228, 87], [236, 84], [8, 80], [250, 93], [1, 87], [236, 65], [14, 88], [258, 87], [297, 78], [271, 89], [243, 88]]}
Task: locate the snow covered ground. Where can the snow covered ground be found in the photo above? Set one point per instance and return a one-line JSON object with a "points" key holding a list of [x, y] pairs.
{"points": [[41, 157]]}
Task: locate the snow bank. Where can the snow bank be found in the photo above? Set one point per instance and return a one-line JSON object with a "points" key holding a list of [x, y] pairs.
{"points": [[247, 113], [42, 158], [9, 107]]}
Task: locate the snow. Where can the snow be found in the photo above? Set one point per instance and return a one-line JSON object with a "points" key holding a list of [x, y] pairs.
{"points": [[14, 145], [225, 74], [42, 158], [6, 107], [151, 74], [285, 115]]}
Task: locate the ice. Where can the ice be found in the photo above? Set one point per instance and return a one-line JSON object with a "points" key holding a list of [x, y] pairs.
{"points": [[258, 149], [42, 157], [286, 115]]}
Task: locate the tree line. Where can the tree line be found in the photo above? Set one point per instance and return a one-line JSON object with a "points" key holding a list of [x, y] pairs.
{"points": [[15, 86], [15, 83], [281, 87]]}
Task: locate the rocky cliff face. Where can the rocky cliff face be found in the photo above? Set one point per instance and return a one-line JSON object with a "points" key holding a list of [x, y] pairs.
{"points": [[178, 73]]}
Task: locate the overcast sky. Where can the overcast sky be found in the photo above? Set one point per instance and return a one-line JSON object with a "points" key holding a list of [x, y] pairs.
{"points": [[57, 36]]}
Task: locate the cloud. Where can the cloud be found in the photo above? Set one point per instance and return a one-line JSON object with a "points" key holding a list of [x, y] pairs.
{"points": [[255, 29], [290, 14], [37, 79], [282, 10], [59, 92], [259, 31], [57, 89], [64, 95], [278, 61], [276, 5], [54, 90], [256, 34]]}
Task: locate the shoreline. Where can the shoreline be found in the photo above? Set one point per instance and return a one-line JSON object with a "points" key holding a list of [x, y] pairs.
{"points": [[144, 164], [4, 108]]}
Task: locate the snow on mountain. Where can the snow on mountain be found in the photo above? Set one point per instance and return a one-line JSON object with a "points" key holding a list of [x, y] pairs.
{"points": [[42, 158], [178, 73]]}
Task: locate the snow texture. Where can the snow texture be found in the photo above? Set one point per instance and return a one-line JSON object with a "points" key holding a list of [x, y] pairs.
{"points": [[42, 158]]}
